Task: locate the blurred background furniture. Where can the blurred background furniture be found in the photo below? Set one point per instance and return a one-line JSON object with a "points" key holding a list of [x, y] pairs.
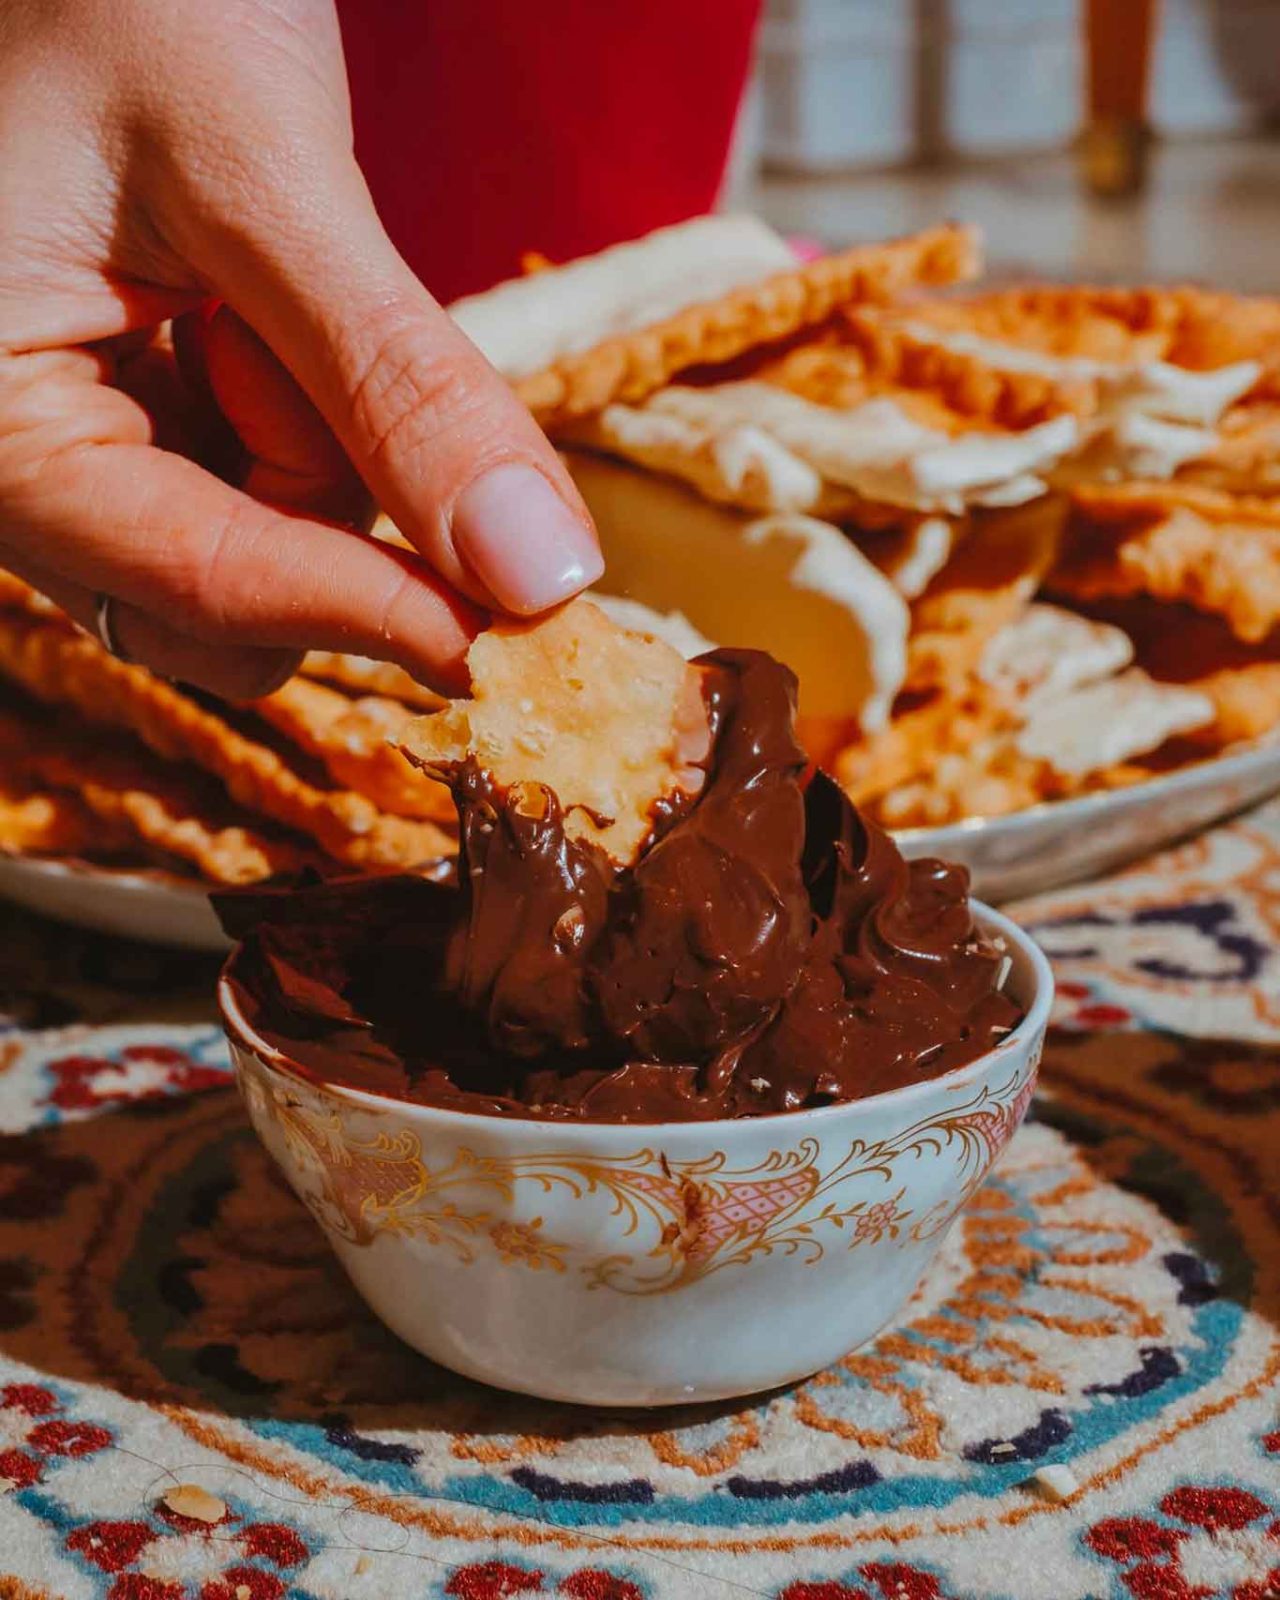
{"points": [[870, 117], [862, 83], [1119, 39]]}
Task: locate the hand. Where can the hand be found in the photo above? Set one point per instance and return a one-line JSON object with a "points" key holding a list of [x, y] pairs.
{"points": [[173, 159]]}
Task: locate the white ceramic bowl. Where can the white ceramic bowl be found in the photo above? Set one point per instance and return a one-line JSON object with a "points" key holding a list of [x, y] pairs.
{"points": [[643, 1264]]}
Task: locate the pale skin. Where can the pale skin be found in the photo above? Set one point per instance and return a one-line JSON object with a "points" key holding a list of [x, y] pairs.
{"points": [[173, 161]]}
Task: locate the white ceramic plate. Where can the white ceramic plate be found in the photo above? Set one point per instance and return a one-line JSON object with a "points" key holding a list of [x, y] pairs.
{"points": [[1038, 849], [1026, 853], [155, 906]]}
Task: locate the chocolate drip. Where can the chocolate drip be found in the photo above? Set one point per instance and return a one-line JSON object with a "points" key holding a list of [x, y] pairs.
{"points": [[533, 907], [706, 933], [770, 950]]}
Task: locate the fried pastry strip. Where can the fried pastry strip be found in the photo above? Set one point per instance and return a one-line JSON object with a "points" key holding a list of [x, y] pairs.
{"points": [[915, 740], [1177, 542], [876, 355], [1179, 645], [13, 592], [632, 365], [763, 447], [1055, 708], [70, 669], [1246, 702], [989, 581], [19, 596], [355, 739], [359, 675], [991, 779], [35, 821], [1095, 735], [149, 801], [994, 779], [1117, 504], [1246, 458], [1198, 329]]}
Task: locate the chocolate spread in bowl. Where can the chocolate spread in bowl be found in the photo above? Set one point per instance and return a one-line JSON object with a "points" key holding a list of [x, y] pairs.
{"points": [[770, 950]]}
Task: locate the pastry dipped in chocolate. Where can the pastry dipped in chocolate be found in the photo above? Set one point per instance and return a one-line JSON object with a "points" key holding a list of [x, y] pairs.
{"points": [[746, 944]]}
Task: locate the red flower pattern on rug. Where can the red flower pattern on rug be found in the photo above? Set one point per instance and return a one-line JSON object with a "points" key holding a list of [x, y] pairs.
{"points": [[875, 1580], [501, 1580], [1190, 1556], [253, 1559], [139, 1072], [34, 1434]]}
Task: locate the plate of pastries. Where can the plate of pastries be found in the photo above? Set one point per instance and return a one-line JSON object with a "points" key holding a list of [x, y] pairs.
{"points": [[1019, 544]]}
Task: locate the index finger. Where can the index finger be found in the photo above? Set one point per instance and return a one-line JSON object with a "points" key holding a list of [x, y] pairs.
{"points": [[162, 534]]}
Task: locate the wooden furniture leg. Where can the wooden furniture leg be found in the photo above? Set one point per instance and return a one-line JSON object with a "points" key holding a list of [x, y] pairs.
{"points": [[1119, 46]]}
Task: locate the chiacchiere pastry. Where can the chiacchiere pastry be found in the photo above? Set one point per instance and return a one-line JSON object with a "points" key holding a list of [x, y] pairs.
{"points": [[630, 365], [39, 822], [63, 667], [143, 801], [875, 353], [1199, 330], [987, 451], [616, 727], [983, 588], [356, 739], [357, 675], [1177, 644], [1178, 542]]}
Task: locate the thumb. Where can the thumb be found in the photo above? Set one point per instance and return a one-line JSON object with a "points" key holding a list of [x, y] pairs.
{"points": [[444, 446]]}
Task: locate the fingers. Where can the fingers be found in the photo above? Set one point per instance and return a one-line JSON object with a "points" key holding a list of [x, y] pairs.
{"points": [[234, 673], [184, 417], [220, 397], [294, 459], [437, 436], [84, 497]]}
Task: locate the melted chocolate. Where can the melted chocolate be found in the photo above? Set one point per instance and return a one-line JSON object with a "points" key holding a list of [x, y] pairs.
{"points": [[770, 950]]}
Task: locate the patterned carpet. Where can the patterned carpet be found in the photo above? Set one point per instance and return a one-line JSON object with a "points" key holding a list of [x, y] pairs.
{"points": [[1110, 1301]]}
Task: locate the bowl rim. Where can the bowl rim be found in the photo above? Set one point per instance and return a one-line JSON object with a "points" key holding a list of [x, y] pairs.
{"points": [[1033, 1025]]}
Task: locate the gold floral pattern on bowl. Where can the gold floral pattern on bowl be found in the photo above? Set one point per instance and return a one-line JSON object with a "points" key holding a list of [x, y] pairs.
{"points": [[696, 1217]]}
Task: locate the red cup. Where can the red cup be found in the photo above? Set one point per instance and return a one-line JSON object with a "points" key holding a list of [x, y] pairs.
{"points": [[492, 128]]}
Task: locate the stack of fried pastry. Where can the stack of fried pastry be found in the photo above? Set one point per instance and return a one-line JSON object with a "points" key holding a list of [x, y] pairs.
{"points": [[1017, 544], [131, 769]]}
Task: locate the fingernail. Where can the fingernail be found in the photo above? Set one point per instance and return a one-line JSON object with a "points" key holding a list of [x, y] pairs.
{"points": [[522, 541], [273, 677]]}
